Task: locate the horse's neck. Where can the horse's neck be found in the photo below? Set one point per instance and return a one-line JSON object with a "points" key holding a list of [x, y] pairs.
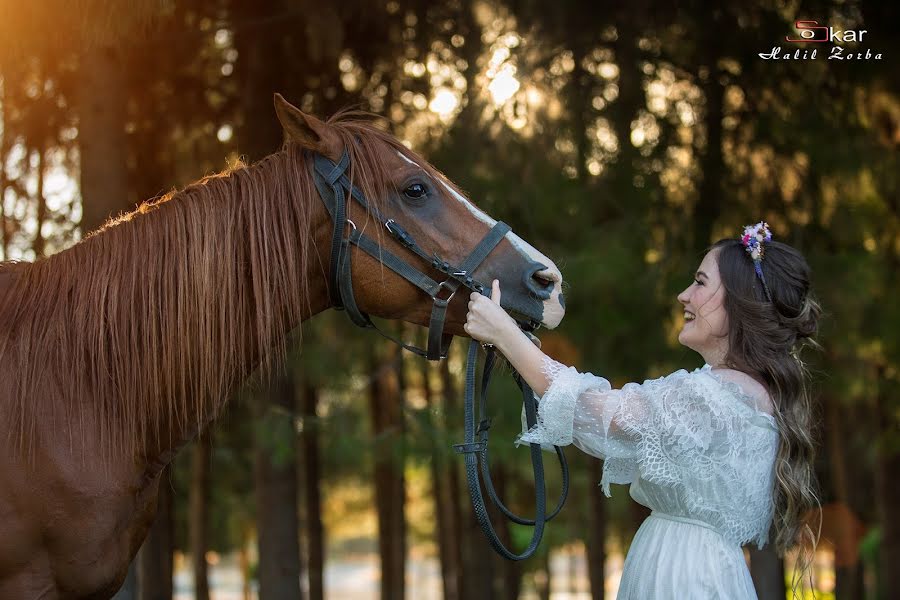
{"points": [[177, 304], [276, 282]]}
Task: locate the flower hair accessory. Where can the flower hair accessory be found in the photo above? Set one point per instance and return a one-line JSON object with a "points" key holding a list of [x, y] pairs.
{"points": [[753, 239]]}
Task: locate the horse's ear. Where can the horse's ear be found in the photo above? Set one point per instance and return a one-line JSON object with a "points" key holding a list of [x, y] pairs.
{"points": [[307, 130]]}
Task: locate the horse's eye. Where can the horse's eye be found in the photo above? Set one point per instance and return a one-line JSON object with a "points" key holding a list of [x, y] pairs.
{"points": [[416, 190]]}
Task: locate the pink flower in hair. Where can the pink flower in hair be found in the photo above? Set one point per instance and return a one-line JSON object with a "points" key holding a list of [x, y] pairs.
{"points": [[753, 238]]}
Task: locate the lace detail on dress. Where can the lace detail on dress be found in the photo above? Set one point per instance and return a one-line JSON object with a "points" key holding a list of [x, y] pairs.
{"points": [[551, 369], [684, 433], [556, 409], [763, 406]]}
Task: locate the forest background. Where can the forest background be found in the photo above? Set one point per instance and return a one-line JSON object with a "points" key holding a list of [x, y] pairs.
{"points": [[621, 139]]}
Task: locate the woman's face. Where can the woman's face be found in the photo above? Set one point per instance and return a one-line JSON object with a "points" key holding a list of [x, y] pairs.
{"points": [[705, 321]]}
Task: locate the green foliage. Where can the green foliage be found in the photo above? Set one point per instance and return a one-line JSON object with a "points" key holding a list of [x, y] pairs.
{"points": [[809, 146]]}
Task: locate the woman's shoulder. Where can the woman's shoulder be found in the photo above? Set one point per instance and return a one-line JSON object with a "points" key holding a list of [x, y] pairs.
{"points": [[742, 385]]}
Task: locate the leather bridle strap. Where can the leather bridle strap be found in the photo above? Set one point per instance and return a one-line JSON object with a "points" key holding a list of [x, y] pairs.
{"points": [[439, 308], [331, 182], [477, 452], [530, 404]]}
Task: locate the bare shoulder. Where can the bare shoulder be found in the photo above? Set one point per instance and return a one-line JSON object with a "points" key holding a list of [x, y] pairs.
{"points": [[751, 388]]}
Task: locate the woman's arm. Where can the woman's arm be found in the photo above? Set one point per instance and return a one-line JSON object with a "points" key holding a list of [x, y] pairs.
{"points": [[527, 359], [489, 323]]}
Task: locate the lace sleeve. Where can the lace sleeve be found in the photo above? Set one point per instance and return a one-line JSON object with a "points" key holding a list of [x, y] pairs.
{"points": [[583, 409], [681, 431]]}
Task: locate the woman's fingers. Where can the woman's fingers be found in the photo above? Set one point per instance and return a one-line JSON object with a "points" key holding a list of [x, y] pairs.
{"points": [[484, 319]]}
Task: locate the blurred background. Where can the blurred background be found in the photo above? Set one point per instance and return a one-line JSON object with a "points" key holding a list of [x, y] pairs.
{"points": [[619, 138]]}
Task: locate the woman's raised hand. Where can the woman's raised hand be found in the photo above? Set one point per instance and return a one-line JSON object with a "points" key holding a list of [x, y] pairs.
{"points": [[486, 321]]}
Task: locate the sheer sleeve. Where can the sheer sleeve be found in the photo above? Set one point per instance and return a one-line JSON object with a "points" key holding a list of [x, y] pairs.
{"points": [[677, 431], [584, 409]]}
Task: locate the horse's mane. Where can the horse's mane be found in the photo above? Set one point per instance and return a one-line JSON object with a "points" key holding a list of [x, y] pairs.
{"points": [[145, 326]]}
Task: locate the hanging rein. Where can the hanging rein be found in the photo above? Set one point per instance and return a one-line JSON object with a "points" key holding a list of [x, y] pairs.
{"points": [[334, 187]]}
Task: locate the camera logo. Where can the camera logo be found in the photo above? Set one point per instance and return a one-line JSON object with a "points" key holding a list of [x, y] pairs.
{"points": [[811, 32]]}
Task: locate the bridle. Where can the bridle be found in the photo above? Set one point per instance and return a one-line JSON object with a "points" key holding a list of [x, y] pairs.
{"points": [[334, 187]]}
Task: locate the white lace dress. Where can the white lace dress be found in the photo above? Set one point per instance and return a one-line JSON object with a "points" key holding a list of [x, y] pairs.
{"points": [[697, 449]]}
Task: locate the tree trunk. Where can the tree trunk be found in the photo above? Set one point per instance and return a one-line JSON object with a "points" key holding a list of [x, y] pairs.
{"points": [[476, 581], [40, 244], [848, 584], [625, 108], [510, 578], [259, 68], [199, 525], [478, 558], [4, 148], [154, 561], [543, 586], [390, 496], [454, 492], [887, 489], [129, 588], [596, 535], [767, 570], [579, 93], [276, 492], [712, 163], [448, 543], [244, 565], [312, 486], [639, 514], [101, 135]]}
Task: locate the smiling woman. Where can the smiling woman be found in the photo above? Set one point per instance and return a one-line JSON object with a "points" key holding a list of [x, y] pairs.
{"points": [[718, 453], [706, 322]]}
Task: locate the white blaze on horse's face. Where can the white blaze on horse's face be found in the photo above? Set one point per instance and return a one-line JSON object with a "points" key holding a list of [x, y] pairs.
{"points": [[554, 309]]}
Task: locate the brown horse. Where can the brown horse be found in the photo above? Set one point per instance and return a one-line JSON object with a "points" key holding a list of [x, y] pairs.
{"points": [[119, 350]]}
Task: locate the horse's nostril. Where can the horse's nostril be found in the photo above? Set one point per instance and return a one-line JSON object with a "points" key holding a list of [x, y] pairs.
{"points": [[542, 281], [538, 281]]}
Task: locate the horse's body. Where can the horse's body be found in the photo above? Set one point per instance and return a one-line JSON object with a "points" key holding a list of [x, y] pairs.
{"points": [[67, 528], [118, 351]]}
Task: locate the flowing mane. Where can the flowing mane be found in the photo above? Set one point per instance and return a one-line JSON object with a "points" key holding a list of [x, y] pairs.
{"points": [[153, 318]]}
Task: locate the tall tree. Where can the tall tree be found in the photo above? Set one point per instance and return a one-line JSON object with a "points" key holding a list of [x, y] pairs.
{"points": [[276, 491], [441, 471], [260, 44], [101, 134], [199, 515], [386, 405], [154, 560], [312, 488]]}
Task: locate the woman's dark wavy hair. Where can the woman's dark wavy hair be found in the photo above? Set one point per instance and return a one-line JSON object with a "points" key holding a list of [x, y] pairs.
{"points": [[765, 339]]}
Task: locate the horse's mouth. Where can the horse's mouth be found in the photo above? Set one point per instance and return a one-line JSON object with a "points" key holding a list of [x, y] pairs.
{"points": [[531, 316], [526, 323]]}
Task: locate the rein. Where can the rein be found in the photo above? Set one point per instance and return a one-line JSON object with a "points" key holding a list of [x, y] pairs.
{"points": [[335, 190]]}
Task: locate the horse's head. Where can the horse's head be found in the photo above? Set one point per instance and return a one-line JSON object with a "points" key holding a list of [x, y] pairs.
{"points": [[442, 221]]}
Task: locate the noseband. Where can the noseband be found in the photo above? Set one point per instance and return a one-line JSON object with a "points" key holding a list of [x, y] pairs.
{"points": [[334, 187]]}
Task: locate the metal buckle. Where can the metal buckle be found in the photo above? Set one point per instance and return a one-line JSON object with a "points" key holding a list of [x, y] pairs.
{"points": [[441, 285], [474, 447]]}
